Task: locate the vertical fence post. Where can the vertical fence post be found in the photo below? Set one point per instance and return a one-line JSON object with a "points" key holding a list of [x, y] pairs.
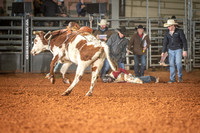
{"points": [[26, 42], [189, 37], [147, 29]]}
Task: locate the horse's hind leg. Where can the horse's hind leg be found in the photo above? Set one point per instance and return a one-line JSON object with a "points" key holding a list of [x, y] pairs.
{"points": [[96, 67], [63, 71], [79, 73]]}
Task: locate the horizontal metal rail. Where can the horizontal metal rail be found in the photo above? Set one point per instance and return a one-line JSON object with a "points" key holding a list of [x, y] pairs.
{"points": [[11, 42], [14, 36], [10, 27], [11, 48]]}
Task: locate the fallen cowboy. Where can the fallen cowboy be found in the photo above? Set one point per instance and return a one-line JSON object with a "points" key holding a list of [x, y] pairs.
{"points": [[122, 75], [77, 46]]}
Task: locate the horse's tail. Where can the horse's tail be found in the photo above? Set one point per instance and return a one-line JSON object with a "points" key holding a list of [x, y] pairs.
{"points": [[106, 50]]}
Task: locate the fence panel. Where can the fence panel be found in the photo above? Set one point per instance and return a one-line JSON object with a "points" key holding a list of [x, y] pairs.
{"points": [[11, 44], [196, 44]]}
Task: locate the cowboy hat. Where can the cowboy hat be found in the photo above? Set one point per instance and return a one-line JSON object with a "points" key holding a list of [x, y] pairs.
{"points": [[103, 22], [122, 30], [170, 22], [140, 27]]}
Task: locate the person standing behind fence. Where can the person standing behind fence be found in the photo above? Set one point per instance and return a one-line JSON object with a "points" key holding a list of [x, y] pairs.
{"points": [[175, 41], [138, 45], [117, 45], [37, 5], [50, 9], [2, 12], [17, 14], [81, 9], [63, 11], [103, 33]]}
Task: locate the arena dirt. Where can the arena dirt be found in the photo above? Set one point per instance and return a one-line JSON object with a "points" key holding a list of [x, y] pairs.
{"points": [[29, 103]]}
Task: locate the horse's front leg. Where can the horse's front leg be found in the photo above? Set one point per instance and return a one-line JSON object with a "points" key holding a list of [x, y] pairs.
{"points": [[52, 65]]}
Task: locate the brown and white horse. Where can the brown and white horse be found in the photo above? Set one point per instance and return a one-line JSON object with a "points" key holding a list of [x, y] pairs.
{"points": [[79, 47]]}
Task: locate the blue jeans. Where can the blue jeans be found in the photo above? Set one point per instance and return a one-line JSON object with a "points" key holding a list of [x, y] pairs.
{"points": [[147, 79], [175, 58], [106, 67], [137, 59], [121, 65]]}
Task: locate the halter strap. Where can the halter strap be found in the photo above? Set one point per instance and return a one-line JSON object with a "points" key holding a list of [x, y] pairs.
{"points": [[49, 42]]}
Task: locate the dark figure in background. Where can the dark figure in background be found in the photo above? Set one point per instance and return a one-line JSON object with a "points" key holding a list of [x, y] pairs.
{"points": [[3, 22], [81, 9], [63, 11], [2, 11], [50, 9], [173, 17], [17, 14], [37, 5], [62, 8]]}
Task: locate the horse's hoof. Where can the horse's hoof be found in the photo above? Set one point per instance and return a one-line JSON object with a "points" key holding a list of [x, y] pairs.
{"points": [[52, 80], [66, 81], [47, 76], [66, 93], [89, 94]]}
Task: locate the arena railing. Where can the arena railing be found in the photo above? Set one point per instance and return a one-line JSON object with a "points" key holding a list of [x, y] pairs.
{"points": [[11, 44], [13, 39], [196, 43]]}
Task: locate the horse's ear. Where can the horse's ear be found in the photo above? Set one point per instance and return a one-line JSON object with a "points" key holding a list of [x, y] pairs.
{"points": [[38, 32], [48, 35]]}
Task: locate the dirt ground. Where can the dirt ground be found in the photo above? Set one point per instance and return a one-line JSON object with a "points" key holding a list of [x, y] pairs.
{"points": [[29, 103]]}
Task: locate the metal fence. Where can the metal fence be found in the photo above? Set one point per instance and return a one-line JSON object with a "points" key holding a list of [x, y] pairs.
{"points": [[196, 44], [11, 44], [16, 38]]}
